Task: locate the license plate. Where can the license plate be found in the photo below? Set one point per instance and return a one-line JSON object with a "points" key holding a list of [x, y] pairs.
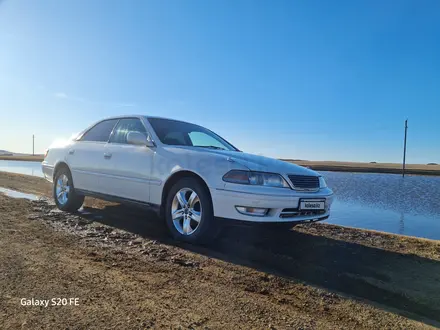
{"points": [[311, 204]]}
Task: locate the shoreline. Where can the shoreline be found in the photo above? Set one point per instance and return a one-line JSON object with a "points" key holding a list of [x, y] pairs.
{"points": [[386, 168], [334, 166], [25, 158]]}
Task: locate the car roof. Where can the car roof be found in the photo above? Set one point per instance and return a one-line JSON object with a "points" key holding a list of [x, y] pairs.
{"points": [[165, 118], [145, 116]]}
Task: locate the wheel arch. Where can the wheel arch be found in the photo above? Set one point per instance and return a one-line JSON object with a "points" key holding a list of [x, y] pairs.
{"points": [[172, 179], [60, 165]]}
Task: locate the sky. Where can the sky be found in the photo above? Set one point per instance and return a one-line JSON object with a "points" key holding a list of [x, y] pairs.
{"points": [[315, 80]]}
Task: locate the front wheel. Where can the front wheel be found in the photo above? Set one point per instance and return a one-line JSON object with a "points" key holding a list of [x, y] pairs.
{"points": [[189, 212], [64, 193]]}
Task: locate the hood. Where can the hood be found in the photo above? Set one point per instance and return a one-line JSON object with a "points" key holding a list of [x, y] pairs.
{"points": [[255, 162]]}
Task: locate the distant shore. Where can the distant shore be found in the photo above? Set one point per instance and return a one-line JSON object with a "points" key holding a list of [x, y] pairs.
{"points": [[393, 168]]}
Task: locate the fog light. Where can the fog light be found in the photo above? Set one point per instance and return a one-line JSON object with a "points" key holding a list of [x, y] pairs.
{"points": [[255, 211]]}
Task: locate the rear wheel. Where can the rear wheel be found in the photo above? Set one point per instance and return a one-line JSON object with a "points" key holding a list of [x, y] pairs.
{"points": [[64, 193], [189, 212]]}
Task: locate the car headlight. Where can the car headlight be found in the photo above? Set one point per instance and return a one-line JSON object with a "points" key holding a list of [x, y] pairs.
{"points": [[256, 178], [322, 183]]}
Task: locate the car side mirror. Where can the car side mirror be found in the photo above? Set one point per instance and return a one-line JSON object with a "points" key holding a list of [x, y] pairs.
{"points": [[139, 139]]}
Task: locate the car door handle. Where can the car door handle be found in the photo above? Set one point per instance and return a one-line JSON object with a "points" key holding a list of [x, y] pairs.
{"points": [[71, 151], [107, 155]]}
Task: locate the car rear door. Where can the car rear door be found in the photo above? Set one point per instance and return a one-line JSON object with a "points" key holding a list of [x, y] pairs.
{"points": [[128, 167], [86, 156]]}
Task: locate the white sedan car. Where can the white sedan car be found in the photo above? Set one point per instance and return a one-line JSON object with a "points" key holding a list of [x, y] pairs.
{"points": [[190, 175]]}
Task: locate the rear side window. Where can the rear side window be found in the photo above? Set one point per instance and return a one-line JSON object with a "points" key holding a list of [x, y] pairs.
{"points": [[100, 132], [126, 126]]}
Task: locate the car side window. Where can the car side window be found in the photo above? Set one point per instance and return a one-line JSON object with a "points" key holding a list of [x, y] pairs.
{"points": [[100, 132], [200, 139], [175, 138], [126, 126]]}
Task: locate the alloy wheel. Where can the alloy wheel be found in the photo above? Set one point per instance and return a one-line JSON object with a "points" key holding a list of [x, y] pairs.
{"points": [[186, 211], [62, 189]]}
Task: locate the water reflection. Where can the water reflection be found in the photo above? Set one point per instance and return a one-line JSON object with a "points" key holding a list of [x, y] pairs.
{"points": [[18, 194], [21, 167], [387, 202], [410, 195], [402, 224]]}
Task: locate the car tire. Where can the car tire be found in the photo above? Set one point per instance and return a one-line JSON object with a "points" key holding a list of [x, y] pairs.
{"points": [[64, 193], [197, 232]]}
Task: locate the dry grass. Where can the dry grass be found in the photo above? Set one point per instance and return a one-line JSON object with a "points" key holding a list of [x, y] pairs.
{"points": [[30, 158]]}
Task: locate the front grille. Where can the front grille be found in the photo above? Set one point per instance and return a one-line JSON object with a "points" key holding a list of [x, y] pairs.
{"points": [[292, 213], [304, 182]]}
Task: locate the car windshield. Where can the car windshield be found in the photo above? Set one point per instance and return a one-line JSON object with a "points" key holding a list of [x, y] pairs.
{"points": [[173, 132]]}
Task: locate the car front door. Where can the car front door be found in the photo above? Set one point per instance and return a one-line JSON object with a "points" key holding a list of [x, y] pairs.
{"points": [[85, 156], [128, 167]]}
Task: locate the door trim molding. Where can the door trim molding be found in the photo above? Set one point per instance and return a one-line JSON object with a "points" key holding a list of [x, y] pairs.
{"points": [[122, 177]]}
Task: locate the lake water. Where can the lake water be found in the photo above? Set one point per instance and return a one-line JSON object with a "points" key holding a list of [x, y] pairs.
{"points": [[16, 166], [384, 202]]}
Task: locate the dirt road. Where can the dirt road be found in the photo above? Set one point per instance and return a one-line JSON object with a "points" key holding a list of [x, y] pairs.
{"points": [[127, 273]]}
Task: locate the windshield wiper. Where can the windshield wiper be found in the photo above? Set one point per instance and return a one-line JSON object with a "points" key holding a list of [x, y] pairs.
{"points": [[210, 147]]}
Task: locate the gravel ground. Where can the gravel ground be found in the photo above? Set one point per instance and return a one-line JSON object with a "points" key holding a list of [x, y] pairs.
{"points": [[127, 272]]}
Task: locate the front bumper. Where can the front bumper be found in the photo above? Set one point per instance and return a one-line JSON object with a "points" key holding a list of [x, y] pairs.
{"points": [[225, 201]]}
